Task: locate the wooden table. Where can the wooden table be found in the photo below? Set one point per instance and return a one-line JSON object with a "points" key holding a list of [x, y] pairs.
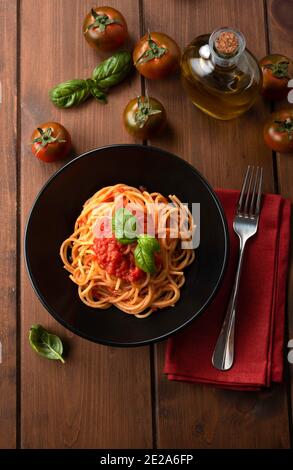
{"points": [[107, 397]]}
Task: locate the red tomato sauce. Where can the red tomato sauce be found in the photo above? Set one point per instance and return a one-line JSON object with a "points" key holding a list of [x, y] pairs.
{"points": [[111, 257]]}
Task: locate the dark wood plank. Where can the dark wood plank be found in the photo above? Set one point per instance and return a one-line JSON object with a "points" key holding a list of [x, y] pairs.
{"points": [[280, 24], [194, 415], [101, 397], [8, 198]]}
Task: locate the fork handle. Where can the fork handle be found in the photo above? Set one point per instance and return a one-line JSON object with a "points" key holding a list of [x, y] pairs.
{"points": [[223, 356]]}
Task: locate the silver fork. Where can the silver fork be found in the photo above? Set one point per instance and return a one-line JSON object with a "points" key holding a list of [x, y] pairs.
{"points": [[245, 224]]}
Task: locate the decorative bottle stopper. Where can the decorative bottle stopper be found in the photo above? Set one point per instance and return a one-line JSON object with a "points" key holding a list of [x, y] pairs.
{"points": [[226, 46]]}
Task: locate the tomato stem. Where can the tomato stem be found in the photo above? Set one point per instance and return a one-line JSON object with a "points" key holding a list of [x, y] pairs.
{"points": [[101, 21], [279, 70], [286, 126], [46, 138], [144, 111], [154, 51]]}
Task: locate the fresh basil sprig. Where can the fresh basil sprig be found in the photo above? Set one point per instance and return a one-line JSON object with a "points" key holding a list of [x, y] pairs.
{"points": [[113, 70], [107, 74], [45, 343], [74, 92], [144, 253], [99, 94], [124, 226]]}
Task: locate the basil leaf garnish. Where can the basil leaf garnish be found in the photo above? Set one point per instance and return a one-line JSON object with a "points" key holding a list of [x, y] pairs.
{"points": [[45, 343], [124, 226], [148, 243], [144, 253], [113, 70], [144, 260]]}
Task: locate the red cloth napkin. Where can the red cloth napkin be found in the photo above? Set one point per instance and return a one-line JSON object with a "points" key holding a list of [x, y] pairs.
{"points": [[260, 316]]}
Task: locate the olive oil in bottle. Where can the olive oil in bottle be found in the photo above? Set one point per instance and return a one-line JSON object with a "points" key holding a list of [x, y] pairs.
{"points": [[220, 75]]}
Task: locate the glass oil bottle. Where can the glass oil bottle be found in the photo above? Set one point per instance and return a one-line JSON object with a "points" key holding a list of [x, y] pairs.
{"points": [[220, 75]]}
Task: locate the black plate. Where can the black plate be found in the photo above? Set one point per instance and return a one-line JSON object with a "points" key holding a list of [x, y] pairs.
{"points": [[60, 202]]}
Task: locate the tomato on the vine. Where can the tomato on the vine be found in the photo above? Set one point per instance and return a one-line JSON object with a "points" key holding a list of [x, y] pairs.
{"points": [[156, 55], [276, 72], [144, 117], [278, 131], [51, 142], [105, 28]]}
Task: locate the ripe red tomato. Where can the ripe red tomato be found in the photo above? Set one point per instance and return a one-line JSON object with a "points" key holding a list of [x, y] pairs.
{"points": [[105, 28], [278, 131], [51, 142], [144, 117], [156, 55], [276, 71]]}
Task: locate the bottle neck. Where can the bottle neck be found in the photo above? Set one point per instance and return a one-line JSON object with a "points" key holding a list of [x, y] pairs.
{"points": [[226, 47]]}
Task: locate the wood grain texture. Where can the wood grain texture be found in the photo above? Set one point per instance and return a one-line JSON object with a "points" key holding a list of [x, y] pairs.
{"points": [[280, 29], [193, 415], [8, 201], [101, 397]]}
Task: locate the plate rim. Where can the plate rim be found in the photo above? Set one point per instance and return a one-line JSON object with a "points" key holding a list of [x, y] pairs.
{"points": [[163, 337]]}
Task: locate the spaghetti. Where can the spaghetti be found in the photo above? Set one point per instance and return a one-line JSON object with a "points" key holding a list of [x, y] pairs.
{"points": [[106, 271]]}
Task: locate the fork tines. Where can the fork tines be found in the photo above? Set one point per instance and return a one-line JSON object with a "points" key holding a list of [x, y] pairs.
{"points": [[250, 196]]}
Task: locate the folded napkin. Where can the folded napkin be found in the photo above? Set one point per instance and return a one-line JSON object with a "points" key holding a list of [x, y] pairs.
{"points": [[260, 318]]}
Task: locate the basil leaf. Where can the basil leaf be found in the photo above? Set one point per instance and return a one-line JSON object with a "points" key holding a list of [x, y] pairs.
{"points": [[70, 93], [144, 253], [148, 243], [124, 226], [144, 259], [113, 70], [45, 343], [99, 95]]}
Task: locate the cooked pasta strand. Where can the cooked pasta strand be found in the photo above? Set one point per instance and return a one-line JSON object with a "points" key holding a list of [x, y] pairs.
{"points": [[99, 289]]}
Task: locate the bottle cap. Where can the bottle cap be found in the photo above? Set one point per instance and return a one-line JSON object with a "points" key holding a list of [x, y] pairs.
{"points": [[227, 43], [226, 46]]}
